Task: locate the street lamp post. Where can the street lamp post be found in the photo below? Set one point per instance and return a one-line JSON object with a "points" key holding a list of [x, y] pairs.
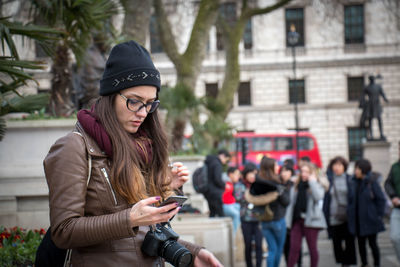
{"points": [[293, 38]]}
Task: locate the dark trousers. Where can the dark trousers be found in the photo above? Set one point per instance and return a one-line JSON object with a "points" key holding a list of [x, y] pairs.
{"points": [[251, 231], [347, 254], [362, 248], [286, 249], [296, 235], [215, 205]]}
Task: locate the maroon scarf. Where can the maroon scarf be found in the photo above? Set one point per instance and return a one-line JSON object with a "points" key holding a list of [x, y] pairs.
{"points": [[91, 124]]}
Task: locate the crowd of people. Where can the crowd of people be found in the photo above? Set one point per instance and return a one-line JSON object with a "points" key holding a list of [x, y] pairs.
{"points": [[283, 204]]}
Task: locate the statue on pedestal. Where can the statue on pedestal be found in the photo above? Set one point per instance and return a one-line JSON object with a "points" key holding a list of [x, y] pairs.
{"points": [[371, 107]]}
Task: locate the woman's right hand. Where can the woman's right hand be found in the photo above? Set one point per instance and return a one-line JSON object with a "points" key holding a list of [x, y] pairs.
{"points": [[143, 213]]}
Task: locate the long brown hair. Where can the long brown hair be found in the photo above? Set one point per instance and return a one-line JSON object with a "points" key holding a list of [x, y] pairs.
{"points": [[128, 178], [267, 169]]}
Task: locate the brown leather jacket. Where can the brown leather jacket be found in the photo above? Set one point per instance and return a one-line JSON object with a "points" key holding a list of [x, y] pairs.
{"points": [[92, 218]]}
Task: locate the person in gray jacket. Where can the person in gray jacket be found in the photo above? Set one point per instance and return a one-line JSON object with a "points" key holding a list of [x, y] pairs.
{"points": [[304, 214]]}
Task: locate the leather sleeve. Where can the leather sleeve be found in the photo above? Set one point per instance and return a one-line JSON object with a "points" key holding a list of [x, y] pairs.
{"points": [[66, 170], [193, 248], [260, 200]]}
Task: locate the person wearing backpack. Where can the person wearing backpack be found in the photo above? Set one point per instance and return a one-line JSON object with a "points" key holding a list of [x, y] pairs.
{"points": [[107, 178], [392, 188], [216, 184], [365, 210]]}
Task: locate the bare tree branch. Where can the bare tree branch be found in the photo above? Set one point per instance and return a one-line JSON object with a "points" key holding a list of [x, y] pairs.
{"points": [[166, 35]]}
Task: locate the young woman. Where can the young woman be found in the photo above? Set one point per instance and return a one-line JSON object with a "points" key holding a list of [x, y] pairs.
{"points": [[304, 214], [107, 177], [335, 211], [288, 178], [249, 223], [230, 207], [366, 207], [274, 230]]}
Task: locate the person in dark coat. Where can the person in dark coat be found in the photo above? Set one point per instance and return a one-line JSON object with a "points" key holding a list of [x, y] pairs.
{"points": [[216, 184], [372, 107], [335, 211], [365, 210]]}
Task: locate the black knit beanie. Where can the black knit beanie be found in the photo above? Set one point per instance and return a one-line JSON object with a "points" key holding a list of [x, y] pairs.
{"points": [[128, 65]]}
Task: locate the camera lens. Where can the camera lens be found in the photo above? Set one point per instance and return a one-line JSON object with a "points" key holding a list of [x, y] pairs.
{"points": [[176, 254]]}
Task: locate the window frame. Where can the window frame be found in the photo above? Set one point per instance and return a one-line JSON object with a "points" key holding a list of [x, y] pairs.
{"points": [[302, 91], [299, 24], [350, 26]]}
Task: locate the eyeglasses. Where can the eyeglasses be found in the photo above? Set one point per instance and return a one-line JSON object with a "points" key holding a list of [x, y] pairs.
{"points": [[135, 105]]}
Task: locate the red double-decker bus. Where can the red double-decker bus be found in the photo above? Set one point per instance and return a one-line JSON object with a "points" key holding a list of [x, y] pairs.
{"points": [[251, 147]]}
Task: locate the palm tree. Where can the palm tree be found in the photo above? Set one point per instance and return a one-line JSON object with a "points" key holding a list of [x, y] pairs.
{"points": [[13, 71], [78, 18]]}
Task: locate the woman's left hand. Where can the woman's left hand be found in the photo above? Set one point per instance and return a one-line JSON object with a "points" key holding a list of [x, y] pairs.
{"points": [[180, 175], [207, 259]]}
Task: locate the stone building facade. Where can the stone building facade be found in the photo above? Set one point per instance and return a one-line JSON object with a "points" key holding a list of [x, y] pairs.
{"points": [[343, 44]]}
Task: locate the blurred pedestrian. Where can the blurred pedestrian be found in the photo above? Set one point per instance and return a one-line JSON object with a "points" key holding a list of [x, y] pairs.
{"points": [[392, 187], [335, 211], [366, 207], [304, 214], [288, 178], [230, 207], [249, 222], [274, 228], [216, 184]]}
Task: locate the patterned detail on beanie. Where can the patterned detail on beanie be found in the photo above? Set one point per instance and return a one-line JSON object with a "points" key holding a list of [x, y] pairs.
{"points": [[128, 65], [132, 77]]}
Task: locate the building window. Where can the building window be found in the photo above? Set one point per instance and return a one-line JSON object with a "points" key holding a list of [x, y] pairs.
{"points": [[155, 42], [295, 16], [228, 12], [247, 36], [212, 90], [244, 94], [355, 137], [355, 87], [354, 24], [296, 86]]}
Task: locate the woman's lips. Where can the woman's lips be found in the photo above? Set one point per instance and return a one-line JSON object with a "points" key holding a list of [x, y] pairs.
{"points": [[136, 123]]}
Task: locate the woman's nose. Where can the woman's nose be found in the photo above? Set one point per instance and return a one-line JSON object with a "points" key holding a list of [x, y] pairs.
{"points": [[141, 112]]}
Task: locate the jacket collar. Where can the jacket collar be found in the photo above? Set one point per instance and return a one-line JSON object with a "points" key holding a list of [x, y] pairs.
{"points": [[91, 146]]}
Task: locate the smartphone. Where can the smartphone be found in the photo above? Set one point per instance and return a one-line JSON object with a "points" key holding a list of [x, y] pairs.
{"points": [[173, 199]]}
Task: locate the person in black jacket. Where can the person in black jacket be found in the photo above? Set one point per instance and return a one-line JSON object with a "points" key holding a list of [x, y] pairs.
{"points": [[216, 185], [335, 211], [273, 228], [365, 210]]}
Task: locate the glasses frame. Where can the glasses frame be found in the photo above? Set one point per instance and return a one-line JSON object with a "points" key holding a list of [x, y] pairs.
{"points": [[143, 104]]}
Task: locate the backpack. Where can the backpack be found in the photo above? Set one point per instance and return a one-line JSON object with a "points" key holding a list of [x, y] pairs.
{"points": [[200, 179]]}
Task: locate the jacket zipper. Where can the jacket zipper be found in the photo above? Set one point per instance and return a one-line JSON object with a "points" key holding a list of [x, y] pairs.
{"points": [[108, 181]]}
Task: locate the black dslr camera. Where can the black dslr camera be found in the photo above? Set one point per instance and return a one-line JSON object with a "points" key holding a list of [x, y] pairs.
{"points": [[161, 241]]}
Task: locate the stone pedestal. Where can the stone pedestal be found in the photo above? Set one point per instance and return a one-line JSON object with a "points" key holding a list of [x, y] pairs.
{"points": [[378, 153]]}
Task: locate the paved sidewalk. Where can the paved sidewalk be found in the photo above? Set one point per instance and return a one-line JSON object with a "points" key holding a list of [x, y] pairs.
{"points": [[326, 257]]}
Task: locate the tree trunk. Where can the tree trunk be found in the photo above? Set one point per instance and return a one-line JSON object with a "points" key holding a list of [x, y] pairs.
{"points": [[188, 65], [60, 102], [137, 19]]}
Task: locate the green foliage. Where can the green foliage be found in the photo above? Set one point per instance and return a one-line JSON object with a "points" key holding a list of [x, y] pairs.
{"points": [[78, 18], [13, 71], [177, 99], [27, 103], [18, 246]]}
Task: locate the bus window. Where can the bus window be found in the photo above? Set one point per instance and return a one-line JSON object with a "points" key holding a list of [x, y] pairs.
{"points": [[283, 143], [261, 144], [305, 143]]}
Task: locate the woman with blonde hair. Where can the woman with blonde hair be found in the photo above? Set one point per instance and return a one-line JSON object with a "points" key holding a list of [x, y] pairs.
{"points": [[304, 214]]}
